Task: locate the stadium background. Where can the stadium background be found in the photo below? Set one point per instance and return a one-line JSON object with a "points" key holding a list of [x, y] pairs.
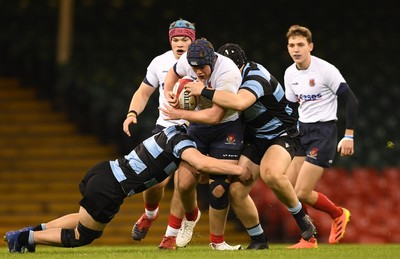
{"points": [[113, 41]]}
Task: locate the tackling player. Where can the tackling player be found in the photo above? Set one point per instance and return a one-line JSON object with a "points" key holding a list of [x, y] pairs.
{"points": [[269, 143], [106, 185]]}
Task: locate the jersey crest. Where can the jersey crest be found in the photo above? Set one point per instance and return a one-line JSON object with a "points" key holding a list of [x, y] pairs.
{"points": [[311, 82], [230, 139]]}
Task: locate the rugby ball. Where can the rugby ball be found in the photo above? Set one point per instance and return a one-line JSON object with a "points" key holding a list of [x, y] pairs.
{"points": [[186, 102]]}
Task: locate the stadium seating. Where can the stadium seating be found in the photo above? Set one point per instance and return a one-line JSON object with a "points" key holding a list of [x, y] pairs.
{"points": [[371, 195], [45, 159], [113, 43]]}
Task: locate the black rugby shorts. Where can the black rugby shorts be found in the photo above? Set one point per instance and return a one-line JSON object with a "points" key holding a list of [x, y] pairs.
{"points": [[102, 193]]}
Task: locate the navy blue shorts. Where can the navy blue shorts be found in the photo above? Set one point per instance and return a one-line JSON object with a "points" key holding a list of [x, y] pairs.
{"points": [[102, 193], [318, 142], [256, 149], [222, 141]]}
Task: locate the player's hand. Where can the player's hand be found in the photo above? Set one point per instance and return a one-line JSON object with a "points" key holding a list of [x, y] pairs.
{"points": [[172, 99], [246, 178], [345, 147], [194, 88], [171, 113], [127, 122]]}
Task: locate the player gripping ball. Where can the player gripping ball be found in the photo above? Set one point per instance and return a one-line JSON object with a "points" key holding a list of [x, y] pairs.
{"points": [[186, 102]]}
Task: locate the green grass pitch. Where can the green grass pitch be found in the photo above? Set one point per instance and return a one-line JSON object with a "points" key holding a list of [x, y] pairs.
{"points": [[325, 251]]}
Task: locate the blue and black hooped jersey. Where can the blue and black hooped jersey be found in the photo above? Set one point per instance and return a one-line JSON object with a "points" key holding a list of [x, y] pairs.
{"points": [[153, 160], [270, 116]]}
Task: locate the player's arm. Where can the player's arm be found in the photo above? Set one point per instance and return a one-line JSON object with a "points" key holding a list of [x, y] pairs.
{"points": [[139, 101], [170, 80], [289, 93], [346, 145], [210, 165], [240, 101], [210, 116]]}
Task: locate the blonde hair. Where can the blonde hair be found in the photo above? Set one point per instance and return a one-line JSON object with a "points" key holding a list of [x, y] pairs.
{"points": [[297, 30]]}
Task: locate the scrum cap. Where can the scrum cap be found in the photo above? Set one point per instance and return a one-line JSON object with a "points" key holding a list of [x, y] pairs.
{"points": [[182, 28], [200, 53], [234, 52]]}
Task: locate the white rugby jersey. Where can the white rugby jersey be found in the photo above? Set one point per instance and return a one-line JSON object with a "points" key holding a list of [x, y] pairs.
{"points": [[315, 89], [155, 76], [225, 76]]}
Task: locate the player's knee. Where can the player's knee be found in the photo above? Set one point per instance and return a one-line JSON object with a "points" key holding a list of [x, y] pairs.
{"points": [[218, 191], [86, 236], [303, 196], [270, 178], [237, 191], [218, 194], [185, 189], [187, 186]]}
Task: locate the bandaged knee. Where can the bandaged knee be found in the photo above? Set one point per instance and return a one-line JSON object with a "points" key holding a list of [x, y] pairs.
{"points": [[86, 236], [221, 202]]}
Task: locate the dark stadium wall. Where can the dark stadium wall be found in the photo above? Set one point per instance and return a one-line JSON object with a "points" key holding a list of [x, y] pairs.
{"points": [[114, 41]]}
